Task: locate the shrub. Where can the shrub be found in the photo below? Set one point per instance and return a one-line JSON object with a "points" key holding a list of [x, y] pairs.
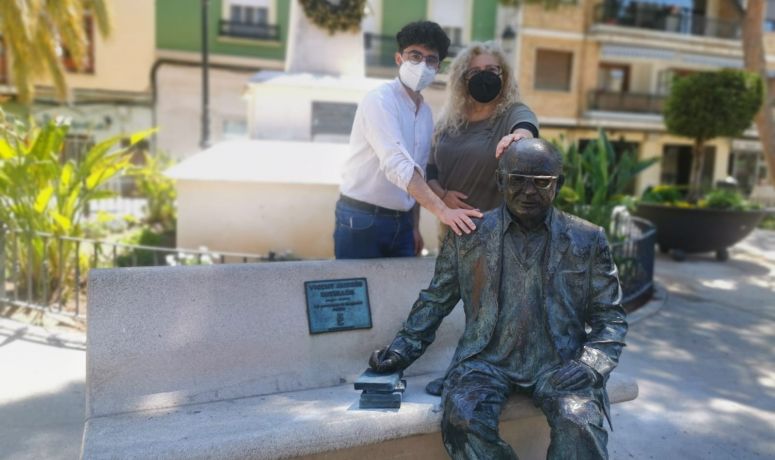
{"points": [[596, 179], [41, 191]]}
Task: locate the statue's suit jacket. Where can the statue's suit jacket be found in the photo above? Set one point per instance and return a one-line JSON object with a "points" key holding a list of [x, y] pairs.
{"points": [[580, 287]]}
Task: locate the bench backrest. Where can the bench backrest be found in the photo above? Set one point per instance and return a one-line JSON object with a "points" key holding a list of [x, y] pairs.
{"points": [[164, 337]]}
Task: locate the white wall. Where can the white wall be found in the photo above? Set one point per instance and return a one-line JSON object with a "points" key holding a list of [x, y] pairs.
{"points": [[261, 217], [179, 106]]}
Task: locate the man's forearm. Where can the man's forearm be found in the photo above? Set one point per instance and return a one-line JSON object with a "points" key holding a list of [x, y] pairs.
{"points": [[421, 192], [437, 188]]}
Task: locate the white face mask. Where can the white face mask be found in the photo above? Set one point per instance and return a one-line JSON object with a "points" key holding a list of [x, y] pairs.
{"points": [[416, 76]]}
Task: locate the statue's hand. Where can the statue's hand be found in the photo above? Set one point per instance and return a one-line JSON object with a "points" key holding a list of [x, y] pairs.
{"points": [[386, 361], [575, 375]]}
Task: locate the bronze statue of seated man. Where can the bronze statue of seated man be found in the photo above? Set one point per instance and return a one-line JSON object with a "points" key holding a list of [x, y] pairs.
{"points": [[531, 278]]}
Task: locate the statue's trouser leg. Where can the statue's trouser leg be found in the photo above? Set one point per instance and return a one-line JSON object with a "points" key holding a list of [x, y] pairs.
{"points": [[472, 403], [576, 421]]}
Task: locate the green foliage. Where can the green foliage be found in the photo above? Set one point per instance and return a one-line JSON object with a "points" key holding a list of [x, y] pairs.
{"points": [[725, 199], [664, 194], [715, 199], [707, 105], [346, 16], [595, 180], [157, 189], [138, 257], [768, 223], [43, 192]]}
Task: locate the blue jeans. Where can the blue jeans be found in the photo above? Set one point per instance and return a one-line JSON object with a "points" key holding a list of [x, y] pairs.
{"points": [[361, 234]]}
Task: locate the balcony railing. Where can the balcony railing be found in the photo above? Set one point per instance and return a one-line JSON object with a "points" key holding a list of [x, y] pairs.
{"points": [[614, 101], [665, 18], [380, 49], [253, 31]]}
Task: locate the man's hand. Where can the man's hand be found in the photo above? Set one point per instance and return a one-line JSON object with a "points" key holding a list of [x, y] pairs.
{"points": [[456, 200], [575, 375], [385, 361], [418, 241], [508, 139], [459, 220]]}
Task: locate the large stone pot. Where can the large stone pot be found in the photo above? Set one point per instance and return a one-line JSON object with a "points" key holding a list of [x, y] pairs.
{"points": [[690, 230]]}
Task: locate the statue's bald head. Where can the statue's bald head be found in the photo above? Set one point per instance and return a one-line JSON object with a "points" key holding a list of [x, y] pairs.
{"points": [[529, 175], [531, 156]]}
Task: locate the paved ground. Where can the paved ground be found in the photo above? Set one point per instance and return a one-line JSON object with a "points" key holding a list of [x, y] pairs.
{"points": [[704, 362], [41, 393]]}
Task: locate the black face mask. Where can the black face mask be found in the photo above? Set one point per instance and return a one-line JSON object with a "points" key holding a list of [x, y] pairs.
{"points": [[484, 86]]}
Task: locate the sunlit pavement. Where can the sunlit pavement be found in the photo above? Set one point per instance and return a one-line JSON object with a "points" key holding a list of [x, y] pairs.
{"points": [[41, 392], [704, 363]]}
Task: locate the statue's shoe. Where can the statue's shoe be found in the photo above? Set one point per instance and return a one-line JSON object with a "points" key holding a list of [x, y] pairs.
{"points": [[435, 386]]}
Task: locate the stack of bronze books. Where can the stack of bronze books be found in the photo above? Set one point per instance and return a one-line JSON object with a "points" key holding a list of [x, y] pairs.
{"points": [[380, 391]]}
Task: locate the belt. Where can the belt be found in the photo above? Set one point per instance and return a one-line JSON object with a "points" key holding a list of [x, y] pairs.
{"points": [[367, 207]]}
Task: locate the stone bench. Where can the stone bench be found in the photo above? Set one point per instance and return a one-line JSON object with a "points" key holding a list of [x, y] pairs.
{"points": [[218, 362]]}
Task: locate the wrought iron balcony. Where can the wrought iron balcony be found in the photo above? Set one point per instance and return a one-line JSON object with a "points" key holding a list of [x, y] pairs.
{"points": [[614, 101], [380, 49], [253, 31], [665, 18]]}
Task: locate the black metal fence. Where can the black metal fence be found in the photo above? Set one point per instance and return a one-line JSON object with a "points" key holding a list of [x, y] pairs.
{"points": [[49, 273], [634, 257], [665, 18]]}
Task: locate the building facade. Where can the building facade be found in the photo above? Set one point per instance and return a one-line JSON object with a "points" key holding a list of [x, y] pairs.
{"points": [[609, 64], [110, 94]]}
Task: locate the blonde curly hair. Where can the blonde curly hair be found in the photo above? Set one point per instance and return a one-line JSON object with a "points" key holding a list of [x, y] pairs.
{"points": [[453, 113]]}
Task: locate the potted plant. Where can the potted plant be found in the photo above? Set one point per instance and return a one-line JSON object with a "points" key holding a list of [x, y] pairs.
{"points": [[713, 223], [702, 107]]}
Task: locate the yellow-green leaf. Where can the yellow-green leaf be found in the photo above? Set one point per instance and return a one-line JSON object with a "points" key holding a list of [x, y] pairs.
{"points": [[140, 135], [64, 223], [41, 202], [6, 151]]}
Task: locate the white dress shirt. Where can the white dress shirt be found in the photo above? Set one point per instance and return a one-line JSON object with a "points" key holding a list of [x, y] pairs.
{"points": [[390, 139]]}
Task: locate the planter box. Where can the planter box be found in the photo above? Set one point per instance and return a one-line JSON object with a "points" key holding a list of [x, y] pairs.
{"points": [[691, 230]]}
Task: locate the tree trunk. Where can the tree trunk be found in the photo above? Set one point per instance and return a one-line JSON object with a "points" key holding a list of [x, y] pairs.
{"points": [[753, 54], [695, 180]]}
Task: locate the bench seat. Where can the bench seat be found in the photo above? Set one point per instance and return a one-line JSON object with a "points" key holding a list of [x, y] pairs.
{"points": [[323, 421]]}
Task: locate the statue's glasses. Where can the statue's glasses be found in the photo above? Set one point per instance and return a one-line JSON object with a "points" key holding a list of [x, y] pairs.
{"points": [[518, 182], [474, 71], [416, 57]]}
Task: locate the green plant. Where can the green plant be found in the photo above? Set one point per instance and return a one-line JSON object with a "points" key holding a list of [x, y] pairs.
{"points": [[596, 179], [724, 199], [41, 191], [341, 16], [157, 189], [139, 257], [768, 223], [715, 199], [704, 106], [664, 194]]}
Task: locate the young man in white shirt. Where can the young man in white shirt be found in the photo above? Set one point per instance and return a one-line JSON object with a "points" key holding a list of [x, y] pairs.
{"points": [[378, 212]]}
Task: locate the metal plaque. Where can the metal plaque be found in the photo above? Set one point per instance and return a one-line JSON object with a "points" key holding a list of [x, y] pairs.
{"points": [[337, 305]]}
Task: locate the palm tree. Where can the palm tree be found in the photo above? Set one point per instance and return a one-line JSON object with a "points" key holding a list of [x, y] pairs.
{"points": [[37, 31]]}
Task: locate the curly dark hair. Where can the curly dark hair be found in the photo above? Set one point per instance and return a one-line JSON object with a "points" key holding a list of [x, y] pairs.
{"points": [[425, 33]]}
